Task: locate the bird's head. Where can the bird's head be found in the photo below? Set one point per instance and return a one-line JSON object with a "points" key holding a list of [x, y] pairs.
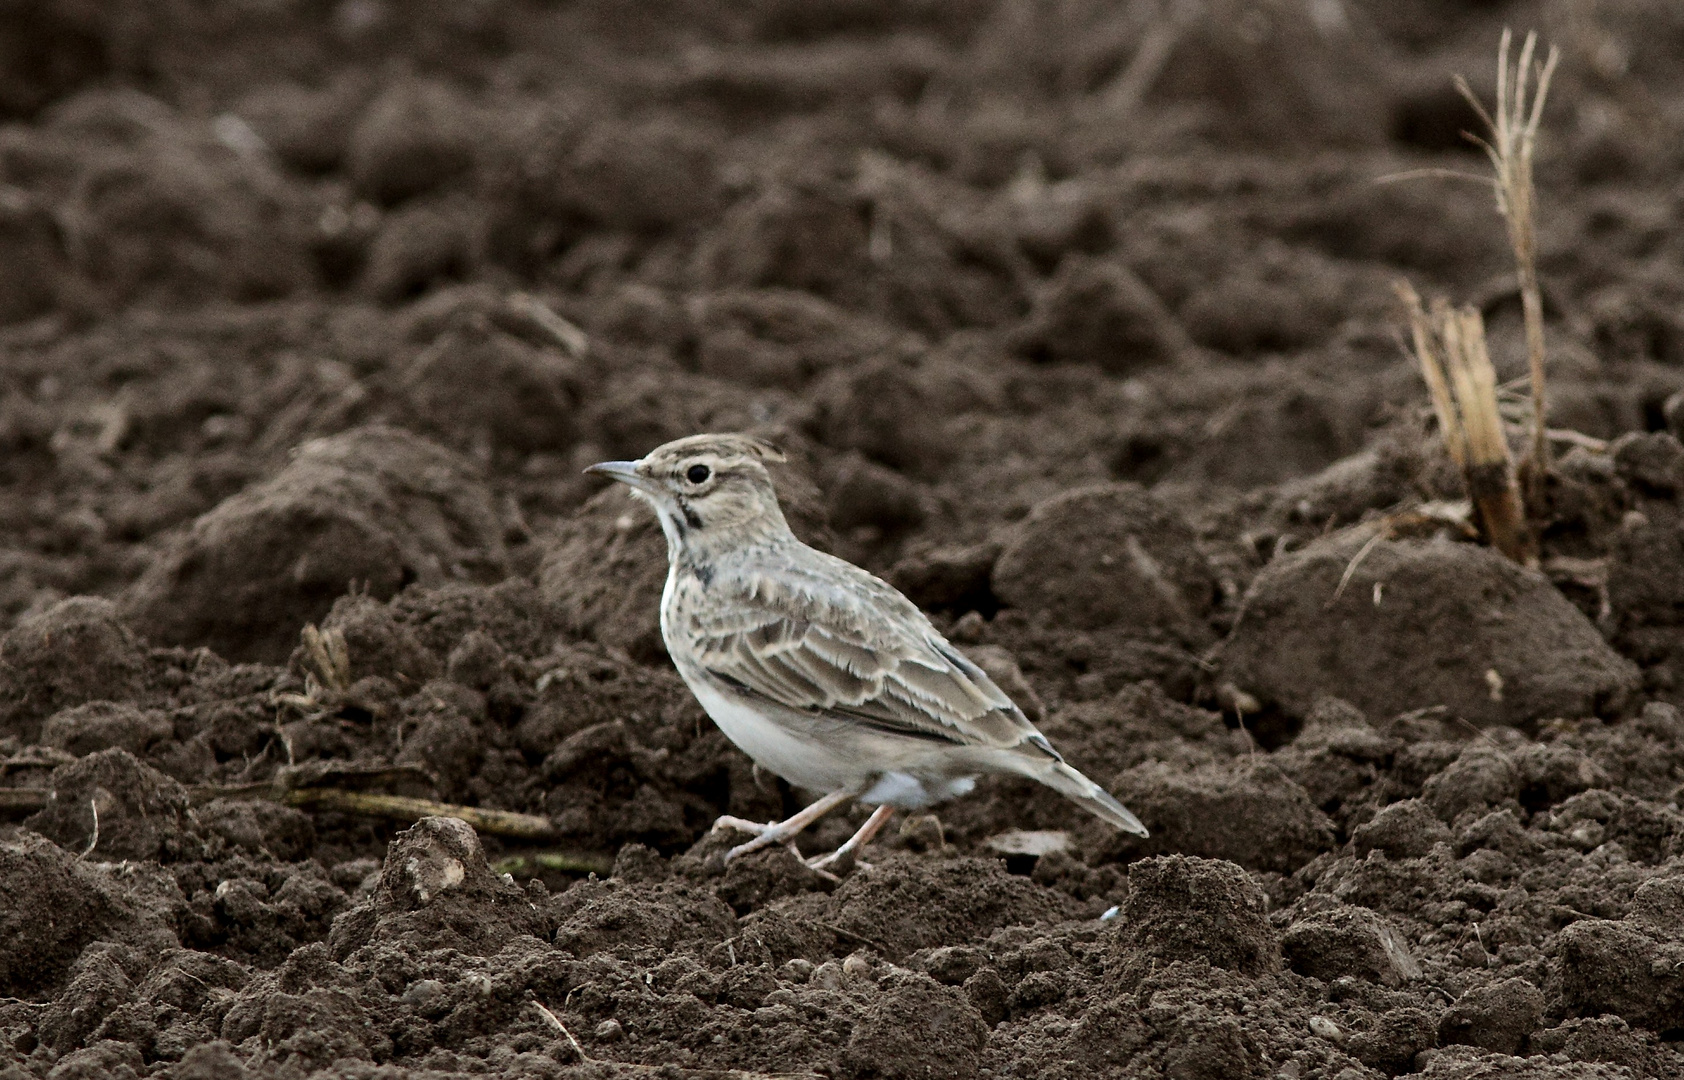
{"points": [[706, 489]]}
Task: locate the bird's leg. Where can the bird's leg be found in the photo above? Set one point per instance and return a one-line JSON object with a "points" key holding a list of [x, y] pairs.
{"points": [[845, 854], [776, 832]]}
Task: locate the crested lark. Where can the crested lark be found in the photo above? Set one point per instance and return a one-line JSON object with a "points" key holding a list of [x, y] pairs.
{"points": [[820, 672]]}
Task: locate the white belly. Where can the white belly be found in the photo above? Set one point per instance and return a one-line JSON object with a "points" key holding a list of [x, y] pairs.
{"points": [[803, 762]]}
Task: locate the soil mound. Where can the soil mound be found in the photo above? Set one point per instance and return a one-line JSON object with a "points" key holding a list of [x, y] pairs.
{"points": [[120, 808], [435, 886], [378, 507], [1103, 555], [76, 651], [910, 902], [40, 878], [1397, 625], [1191, 909], [1246, 812]]}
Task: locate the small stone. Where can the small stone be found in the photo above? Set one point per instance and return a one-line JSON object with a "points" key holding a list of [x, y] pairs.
{"points": [[1323, 1028], [428, 997], [608, 1031], [953, 964], [923, 832]]}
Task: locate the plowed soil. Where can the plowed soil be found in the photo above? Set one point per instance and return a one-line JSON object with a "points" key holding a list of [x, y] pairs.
{"points": [[1077, 322]]}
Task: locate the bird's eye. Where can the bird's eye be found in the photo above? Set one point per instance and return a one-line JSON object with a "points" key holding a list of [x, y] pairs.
{"points": [[697, 474]]}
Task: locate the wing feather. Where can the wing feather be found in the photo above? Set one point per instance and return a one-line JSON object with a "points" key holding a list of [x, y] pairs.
{"points": [[843, 642]]}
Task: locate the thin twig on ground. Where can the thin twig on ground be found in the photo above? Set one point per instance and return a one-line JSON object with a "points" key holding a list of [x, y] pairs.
{"points": [[93, 841], [404, 808], [369, 804], [555, 1022], [1126, 92], [529, 864]]}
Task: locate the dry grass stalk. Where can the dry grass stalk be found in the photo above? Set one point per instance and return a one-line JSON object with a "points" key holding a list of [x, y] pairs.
{"points": [[1450, 345], [18, 801], [1521, 91], [1152, 56], [327, 659]]}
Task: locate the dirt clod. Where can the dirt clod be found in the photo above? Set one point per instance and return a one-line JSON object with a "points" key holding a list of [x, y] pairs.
{"points": [[1498, 1017], [1349, 942], [1419, 625], [377, 506], [915, 1028], [435, 882], [1186, 908], [111, 804], [76, 651], [41, 877], [1243, 811], [1093, 557]]}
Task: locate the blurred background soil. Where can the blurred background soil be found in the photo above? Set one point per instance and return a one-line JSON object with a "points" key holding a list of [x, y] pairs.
{"points": [[1077, 321]]}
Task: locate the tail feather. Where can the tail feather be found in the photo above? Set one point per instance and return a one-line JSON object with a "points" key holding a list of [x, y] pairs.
{"points": [[1089, 795]]}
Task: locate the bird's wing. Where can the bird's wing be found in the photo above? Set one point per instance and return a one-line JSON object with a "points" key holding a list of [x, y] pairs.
{"points": [[834, 639]]}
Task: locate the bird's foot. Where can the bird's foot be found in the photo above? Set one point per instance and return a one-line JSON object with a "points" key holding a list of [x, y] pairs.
{"points": [[778, 832], [837, 865], [726, 821], [766, 833], [845, 858]]}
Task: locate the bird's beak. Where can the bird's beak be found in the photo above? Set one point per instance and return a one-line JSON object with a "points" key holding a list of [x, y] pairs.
{"points": [[623, 471]]}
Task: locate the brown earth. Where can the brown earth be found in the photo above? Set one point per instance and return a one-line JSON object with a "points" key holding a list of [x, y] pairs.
{"points": [[312, 312]]}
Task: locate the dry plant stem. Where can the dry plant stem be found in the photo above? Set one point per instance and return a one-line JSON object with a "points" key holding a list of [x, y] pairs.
{"points": [[1432, 370], [1124, 95], [555, 1022], [326, 657], [396, 807], [19, 801], [567, 862], [1450, 345], [1489, 472], [1514, 131], [402, 808]]}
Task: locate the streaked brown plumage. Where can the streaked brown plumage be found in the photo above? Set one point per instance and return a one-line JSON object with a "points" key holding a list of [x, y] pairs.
{"points": [[819, 671]]}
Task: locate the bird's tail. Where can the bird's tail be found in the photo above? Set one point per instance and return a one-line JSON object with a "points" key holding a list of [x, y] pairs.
{"points": [[1089, 795]]}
